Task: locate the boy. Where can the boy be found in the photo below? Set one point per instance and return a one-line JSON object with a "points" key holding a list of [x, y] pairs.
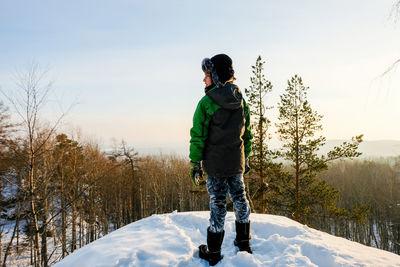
{"points": [[221, 139]]}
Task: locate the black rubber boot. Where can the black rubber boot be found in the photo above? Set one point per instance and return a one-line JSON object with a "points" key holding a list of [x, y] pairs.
{"points": [[243, 237], [212, 251]]}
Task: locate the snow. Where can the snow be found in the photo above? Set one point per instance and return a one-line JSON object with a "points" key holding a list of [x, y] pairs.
{"points": [[173, 239]]}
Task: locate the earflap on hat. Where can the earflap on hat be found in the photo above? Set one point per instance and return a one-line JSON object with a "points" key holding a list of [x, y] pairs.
{"points": [[208, 66]]}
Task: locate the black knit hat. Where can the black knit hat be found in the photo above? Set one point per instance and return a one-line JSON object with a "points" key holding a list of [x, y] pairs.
{"points": [[220, 67], [223, 67]]}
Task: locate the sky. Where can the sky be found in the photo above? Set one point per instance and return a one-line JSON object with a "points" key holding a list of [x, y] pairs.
{"points": [[131, 69]]}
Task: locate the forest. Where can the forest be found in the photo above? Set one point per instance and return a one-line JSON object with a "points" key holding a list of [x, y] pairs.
{"points": [[61, 191]]}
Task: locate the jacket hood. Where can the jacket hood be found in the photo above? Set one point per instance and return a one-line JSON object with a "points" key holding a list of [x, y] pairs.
{"points": [[227, 96]]}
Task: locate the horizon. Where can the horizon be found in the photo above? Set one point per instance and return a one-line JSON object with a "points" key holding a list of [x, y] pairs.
{"points": [[366, 147]]}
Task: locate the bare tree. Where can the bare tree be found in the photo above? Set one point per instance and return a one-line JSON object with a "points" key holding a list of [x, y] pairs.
{"points": [[395, 11], [31, 95], [395, 14]]}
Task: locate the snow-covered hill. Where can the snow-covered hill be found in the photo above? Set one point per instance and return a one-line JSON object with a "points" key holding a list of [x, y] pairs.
{"points": [[172, 240]]}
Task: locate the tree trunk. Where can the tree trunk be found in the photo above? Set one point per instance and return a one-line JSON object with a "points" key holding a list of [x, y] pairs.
{"points": [[141, 201], [63, 219], [17, 249], [44, 234], [80, 231], [33, 210], [31, 247], [297, 210], [73, 243], [261, 159], [9, 246]]}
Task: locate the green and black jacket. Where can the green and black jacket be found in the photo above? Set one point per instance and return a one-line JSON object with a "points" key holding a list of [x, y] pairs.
{"points": [[221, 134]]}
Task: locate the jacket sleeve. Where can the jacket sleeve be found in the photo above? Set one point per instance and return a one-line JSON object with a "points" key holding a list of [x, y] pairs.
{"points": [[198, 133], [247, 136]]}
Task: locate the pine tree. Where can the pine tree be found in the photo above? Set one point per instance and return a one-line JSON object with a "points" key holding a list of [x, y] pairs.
{"points": [[260, 157], [297, 130]]}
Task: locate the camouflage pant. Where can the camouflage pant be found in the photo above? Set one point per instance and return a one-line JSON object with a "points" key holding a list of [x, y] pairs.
{"points": [[217, 188]]}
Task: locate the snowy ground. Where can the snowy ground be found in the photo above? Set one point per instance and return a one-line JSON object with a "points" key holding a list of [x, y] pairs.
{"points": [[172, 240]]}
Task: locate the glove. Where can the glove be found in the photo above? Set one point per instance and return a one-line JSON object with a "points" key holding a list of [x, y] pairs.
{"points": [[246, 167], [196, 172]]}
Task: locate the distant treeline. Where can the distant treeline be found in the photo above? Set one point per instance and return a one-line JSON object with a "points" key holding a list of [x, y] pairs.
{"points": [[375, 183]]}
